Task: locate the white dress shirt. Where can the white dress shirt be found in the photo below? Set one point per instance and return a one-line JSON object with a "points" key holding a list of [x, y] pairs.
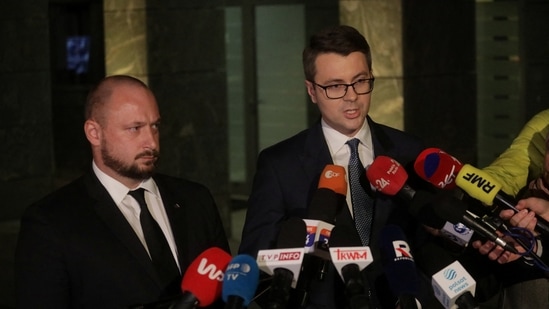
{"points": [[131, 210], [341, 152]]}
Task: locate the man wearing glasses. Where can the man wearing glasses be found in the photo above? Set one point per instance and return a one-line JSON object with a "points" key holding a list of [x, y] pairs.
{"points": [[339, 80]]}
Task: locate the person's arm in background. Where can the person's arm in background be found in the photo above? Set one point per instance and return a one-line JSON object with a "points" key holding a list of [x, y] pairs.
{"points": [[523, 160]]}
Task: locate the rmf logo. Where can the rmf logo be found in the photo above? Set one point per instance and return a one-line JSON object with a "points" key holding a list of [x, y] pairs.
{"points": [[210, 270]]}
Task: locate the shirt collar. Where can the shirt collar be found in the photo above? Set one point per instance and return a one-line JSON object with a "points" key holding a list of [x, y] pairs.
{"points": [[117, 190], [336, 140]]}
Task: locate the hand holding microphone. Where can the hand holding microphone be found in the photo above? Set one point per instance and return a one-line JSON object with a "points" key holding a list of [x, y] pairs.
{"points": [[389, 177], [475, 182]]}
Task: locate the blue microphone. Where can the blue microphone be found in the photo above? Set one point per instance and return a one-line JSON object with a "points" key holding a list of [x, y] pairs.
{"points": [[240, 282], [399, 266]]}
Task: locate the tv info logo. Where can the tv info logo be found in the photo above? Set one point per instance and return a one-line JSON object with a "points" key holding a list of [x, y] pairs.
{"points": [[282, 256]]}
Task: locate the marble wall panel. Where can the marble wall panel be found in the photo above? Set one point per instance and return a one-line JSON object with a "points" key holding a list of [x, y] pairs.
{"points": [[380, 22], [126, 38]]}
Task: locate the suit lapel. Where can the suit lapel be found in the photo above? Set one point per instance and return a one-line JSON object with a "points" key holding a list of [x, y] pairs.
{"points": [[381, 142], [117, 223], [315, 155], [173, 210]]}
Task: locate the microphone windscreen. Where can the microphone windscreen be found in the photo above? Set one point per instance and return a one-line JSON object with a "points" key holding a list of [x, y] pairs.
{"points": [[441, 170], [398, 262], [420, 161], [431, 164], [292, 234], [478, 184], [241, 279], [344, 236], [386, 175], [333, 178], [204, 276], [325, 204]]}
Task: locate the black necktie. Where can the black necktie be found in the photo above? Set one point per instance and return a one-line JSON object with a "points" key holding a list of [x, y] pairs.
{"points": [[362, 203], [159, 249]]}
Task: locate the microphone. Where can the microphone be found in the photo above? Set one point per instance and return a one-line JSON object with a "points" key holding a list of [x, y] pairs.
{"points": [[475, 182], [399, 266], [481, 186], [388, 176], [437, 167], [455, 211], [454, 287], [202, 282], [284, 264], [326, 202], [350, 258], [240, 282]]}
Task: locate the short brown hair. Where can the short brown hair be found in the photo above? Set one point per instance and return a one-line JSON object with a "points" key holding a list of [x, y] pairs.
{"points": [[341, 40]]}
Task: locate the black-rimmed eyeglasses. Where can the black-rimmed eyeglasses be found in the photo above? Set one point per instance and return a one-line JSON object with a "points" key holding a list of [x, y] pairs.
{"points": [[338, 91]]}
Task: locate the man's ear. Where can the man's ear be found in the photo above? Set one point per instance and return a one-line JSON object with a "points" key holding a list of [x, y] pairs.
{"points": [[92, 129], [311, 90]]}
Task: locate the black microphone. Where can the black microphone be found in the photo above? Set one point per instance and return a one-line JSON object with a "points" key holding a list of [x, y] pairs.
{"points": [[454, 210], [445, 171], [390, 178], [350, 258], [326, 202], [399, 266], [284, 264], [486, 189]]}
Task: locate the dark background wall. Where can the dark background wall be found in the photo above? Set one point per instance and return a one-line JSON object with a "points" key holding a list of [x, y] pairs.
{"points": [[439, 74], [41, 108]]}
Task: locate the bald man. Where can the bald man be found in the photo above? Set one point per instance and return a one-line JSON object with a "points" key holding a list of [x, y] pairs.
{"points": [[83, 246]]}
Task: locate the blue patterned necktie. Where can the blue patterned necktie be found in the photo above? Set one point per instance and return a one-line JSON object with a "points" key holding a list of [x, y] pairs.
{"points": [[362, 202]]}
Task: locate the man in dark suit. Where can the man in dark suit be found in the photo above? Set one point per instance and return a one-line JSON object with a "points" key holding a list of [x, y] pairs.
{"points": [[339, 80], [85, 246]]}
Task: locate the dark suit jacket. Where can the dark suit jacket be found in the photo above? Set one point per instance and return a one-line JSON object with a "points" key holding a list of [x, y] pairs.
{"points": [[287, 176], [76, 249]]}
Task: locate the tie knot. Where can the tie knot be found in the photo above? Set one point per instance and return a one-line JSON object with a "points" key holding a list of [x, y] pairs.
{"points": [[139, 195], [353, 144]]}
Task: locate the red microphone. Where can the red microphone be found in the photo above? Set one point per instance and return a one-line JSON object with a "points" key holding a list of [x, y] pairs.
{"points": [[438, 168], [389, 177], [203, 281]]}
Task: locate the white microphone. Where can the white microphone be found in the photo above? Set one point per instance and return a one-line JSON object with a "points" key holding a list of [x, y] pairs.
{"points": [[454, 287], [349, 259]]}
